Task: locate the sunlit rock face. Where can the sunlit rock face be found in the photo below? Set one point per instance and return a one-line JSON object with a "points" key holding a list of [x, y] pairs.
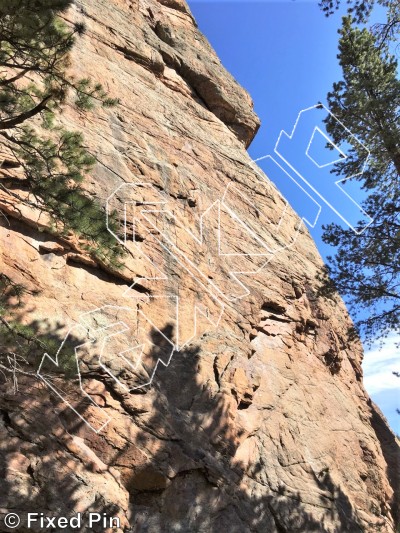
{"points": [[220, 392]]}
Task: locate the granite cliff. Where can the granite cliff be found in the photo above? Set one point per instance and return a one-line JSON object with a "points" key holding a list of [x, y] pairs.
{"points": [[260, 421]]}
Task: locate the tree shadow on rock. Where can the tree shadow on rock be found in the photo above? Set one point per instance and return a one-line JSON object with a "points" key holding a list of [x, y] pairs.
{"points": [[44, 468], [194, 481], [175, 448]]}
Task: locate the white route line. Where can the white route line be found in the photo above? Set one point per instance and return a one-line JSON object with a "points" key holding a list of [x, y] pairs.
{"points": [[214, 292]]}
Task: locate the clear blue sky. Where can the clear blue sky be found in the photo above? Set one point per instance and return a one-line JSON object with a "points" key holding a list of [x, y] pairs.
{"points": [[284, 53]]}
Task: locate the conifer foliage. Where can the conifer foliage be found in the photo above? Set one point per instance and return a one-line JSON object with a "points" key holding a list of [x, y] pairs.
{"points": [[361, 10], [366, 267], [34, 86]]}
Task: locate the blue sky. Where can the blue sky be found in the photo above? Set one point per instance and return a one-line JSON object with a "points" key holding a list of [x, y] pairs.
{"points": [[284, 53]]}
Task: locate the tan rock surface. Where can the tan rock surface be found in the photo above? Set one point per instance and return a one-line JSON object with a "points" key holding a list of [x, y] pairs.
{"points": [[260, 423]]}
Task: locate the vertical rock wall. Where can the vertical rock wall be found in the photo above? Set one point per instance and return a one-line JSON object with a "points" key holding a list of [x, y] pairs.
{"points": [[260, 422]]}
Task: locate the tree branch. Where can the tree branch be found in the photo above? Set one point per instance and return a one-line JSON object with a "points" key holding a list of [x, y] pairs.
{"points": [[12, 123]]}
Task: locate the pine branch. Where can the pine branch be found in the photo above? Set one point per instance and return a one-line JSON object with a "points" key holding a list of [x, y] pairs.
{"points": [[23, 117]]}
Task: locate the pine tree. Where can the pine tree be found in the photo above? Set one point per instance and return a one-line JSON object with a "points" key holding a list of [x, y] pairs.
{"points": [[361, 11], [366, 267], [34, 86]]}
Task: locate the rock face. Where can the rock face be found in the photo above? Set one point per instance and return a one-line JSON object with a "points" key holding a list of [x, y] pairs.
{"points": [[260, 422]]}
